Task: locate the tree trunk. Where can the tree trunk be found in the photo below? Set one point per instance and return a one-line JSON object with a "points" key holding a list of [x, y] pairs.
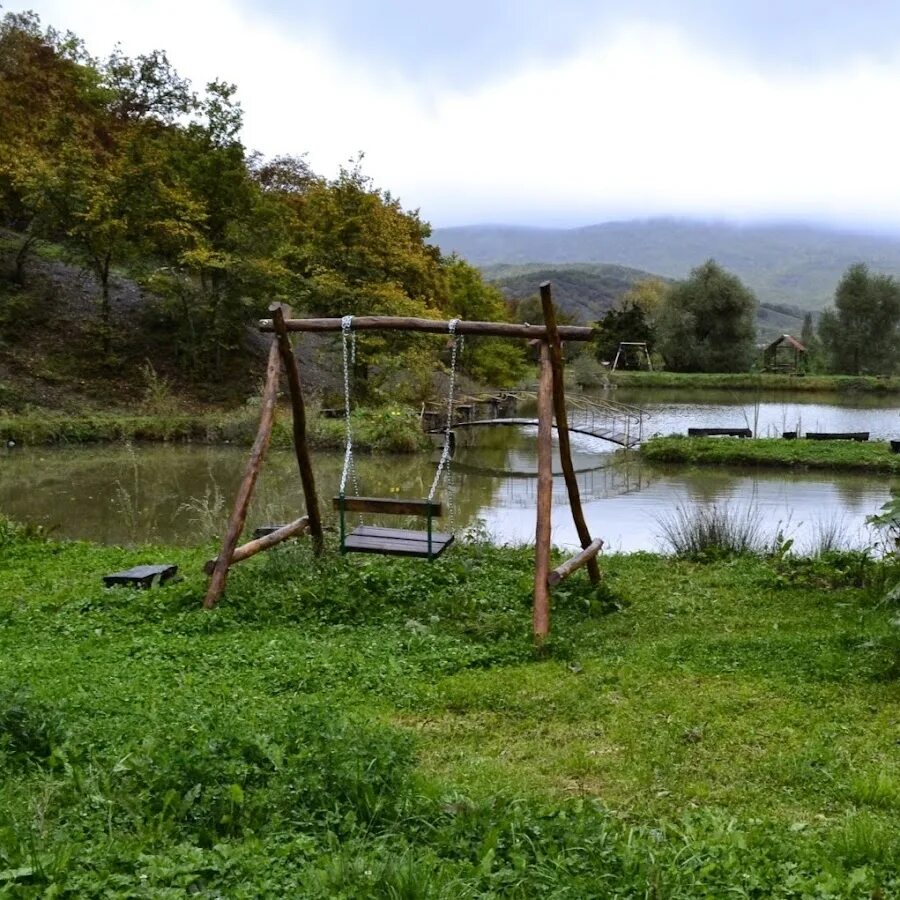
{"points": [[21, 257]]}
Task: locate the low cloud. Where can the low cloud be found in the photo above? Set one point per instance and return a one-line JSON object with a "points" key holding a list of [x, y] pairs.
{"points": [[641, 121]]}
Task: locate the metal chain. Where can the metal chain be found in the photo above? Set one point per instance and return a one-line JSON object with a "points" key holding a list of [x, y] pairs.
{"points": [[444, 462], [349, 467]]}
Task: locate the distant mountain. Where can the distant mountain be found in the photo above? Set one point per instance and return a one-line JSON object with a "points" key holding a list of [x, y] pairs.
{"points": [[586, 292], [792, 264]]}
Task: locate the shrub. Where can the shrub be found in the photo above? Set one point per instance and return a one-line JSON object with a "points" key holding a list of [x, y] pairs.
{"points": [[29, 730]]}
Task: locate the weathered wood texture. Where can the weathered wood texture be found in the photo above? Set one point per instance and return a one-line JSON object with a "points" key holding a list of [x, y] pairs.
{"points": [[541, 610], [837, 436], [301, 447], [263, 542], [390, 507], [720, 432], [576, 562], [554, 346], [396, 542], [251, 473], [433, 326], [142, 576]]}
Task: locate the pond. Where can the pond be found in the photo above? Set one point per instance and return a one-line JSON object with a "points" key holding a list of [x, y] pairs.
{"points": [[767, 414], [182, 494]]}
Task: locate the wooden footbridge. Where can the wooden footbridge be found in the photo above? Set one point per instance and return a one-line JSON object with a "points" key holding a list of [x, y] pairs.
{"points": [[618, 423]]}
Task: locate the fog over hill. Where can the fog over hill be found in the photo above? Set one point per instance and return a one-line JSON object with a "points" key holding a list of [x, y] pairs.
{"points": [[789, 264]]}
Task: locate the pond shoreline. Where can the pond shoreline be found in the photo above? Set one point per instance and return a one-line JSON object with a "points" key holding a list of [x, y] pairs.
{"points": [[750, 382], [390, 429], [847, 456]]}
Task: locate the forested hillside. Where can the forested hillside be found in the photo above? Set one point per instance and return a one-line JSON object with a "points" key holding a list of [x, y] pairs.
{"points": [[587, 292], [584, 292], [784, 264], [179, 237]]}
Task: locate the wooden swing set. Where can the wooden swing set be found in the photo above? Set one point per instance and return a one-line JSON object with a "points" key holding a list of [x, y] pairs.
{"points": [[427, 544]]}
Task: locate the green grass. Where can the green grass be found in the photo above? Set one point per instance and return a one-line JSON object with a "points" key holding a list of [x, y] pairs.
{"points": [[391, 429], [749, 381], [368, 727], [870, 456]]}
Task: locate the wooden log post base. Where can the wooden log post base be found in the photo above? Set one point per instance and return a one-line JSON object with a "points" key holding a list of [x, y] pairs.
{"points": [[576, 562], [245, 492], [541, 610], [301, 447], [554, 346], [264, 542]]}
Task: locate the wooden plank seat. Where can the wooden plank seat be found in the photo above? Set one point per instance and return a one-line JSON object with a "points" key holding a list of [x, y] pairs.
{"points": [[428, 544]]}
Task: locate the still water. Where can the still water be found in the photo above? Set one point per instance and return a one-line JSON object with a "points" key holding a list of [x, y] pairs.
{"points": [[182, 494], [767, 414]]}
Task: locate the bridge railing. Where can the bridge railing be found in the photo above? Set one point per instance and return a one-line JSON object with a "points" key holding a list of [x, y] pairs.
{"points": [[621, 422]]}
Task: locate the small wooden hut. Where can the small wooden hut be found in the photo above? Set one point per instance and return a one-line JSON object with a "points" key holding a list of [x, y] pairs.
{"points": [[785, 354]]}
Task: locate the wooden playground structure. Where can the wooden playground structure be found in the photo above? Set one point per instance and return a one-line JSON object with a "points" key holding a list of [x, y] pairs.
{"points": [[551, 405]]}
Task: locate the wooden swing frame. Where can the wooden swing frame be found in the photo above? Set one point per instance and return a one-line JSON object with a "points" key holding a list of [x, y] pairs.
{"points": [[550, 401]]}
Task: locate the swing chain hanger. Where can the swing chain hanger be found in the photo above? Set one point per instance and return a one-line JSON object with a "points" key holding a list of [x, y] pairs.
{"points": [[444, 462]]}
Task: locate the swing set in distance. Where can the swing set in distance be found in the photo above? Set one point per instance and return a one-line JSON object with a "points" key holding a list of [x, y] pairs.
{"points": [[550, 401]]}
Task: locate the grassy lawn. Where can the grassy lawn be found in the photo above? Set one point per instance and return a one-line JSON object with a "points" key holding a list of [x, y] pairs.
{"points": [[870, 456], [365, 727], [755, 381]]}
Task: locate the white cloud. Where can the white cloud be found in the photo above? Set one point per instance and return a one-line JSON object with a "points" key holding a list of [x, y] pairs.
{"points": [[639, 123]]}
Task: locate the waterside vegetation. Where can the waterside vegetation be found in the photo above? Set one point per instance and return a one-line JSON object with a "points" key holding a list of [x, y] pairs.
{"points": [[870, 456], [759, 382], [375, 728], [388, 428]]}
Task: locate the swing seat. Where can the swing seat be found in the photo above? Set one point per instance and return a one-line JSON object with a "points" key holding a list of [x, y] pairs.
{"points": [[427, 544]]}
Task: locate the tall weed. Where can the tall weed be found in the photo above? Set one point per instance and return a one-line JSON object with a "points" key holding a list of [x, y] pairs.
{"points": [[714, 530]]}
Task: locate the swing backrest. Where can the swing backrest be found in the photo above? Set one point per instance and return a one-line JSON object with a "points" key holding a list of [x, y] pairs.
{"points": [[428, 508]]}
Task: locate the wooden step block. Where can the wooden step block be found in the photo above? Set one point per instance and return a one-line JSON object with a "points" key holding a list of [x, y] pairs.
{"points": [[142, 576], [265, 530]]}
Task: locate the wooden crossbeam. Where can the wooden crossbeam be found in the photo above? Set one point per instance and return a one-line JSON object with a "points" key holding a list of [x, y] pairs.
{"points": [[434, 326]]}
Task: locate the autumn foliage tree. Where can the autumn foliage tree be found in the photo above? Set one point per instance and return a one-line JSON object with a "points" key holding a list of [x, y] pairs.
{"points": [[131, 171]]}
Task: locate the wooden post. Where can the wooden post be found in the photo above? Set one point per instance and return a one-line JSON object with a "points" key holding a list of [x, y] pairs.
{"points": [[251, 473], [541, 613], [562, 427], [301, 447]]}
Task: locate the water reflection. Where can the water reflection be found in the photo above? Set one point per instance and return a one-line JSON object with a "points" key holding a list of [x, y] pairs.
{"points": [[183, 494]]}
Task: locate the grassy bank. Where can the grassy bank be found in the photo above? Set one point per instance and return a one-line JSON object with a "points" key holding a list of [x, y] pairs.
{"points": [[843, 384], [380, 728], [849, 456], [390, 429]]}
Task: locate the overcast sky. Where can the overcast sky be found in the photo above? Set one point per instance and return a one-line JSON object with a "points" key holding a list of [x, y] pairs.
{"points": [[559, 112]]}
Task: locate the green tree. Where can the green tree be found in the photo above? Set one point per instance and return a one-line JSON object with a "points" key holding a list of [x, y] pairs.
{"points": [[861, 335], [707, 323], [50, 94], [628, 324]]}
